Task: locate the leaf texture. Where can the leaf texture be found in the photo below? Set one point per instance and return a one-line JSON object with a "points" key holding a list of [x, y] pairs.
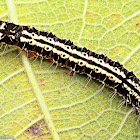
{"points": [[65, 107]]}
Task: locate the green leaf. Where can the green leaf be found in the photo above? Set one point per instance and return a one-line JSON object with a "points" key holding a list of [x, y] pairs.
{"points": [[65, 107]]}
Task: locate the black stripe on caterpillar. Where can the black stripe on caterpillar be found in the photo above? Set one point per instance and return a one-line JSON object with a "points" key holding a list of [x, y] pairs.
{"points": [[64, 53]]}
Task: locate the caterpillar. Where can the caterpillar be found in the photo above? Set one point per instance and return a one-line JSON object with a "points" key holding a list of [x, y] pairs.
{"points": [[81, 60]]}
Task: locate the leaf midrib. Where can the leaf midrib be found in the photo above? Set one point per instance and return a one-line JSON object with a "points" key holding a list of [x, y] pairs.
{"points": [[32, 79]]}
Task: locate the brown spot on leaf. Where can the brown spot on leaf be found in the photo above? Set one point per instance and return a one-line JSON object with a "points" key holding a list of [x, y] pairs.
{"points": [[35, 129], [116, 16], [138, 25], [43, 82]]}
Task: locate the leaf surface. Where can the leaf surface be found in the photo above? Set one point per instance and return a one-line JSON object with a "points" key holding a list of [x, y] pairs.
{"points": [[65, 107]]}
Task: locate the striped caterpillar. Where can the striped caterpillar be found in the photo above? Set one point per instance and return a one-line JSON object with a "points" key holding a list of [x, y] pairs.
{"points": [[77, 59]]}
